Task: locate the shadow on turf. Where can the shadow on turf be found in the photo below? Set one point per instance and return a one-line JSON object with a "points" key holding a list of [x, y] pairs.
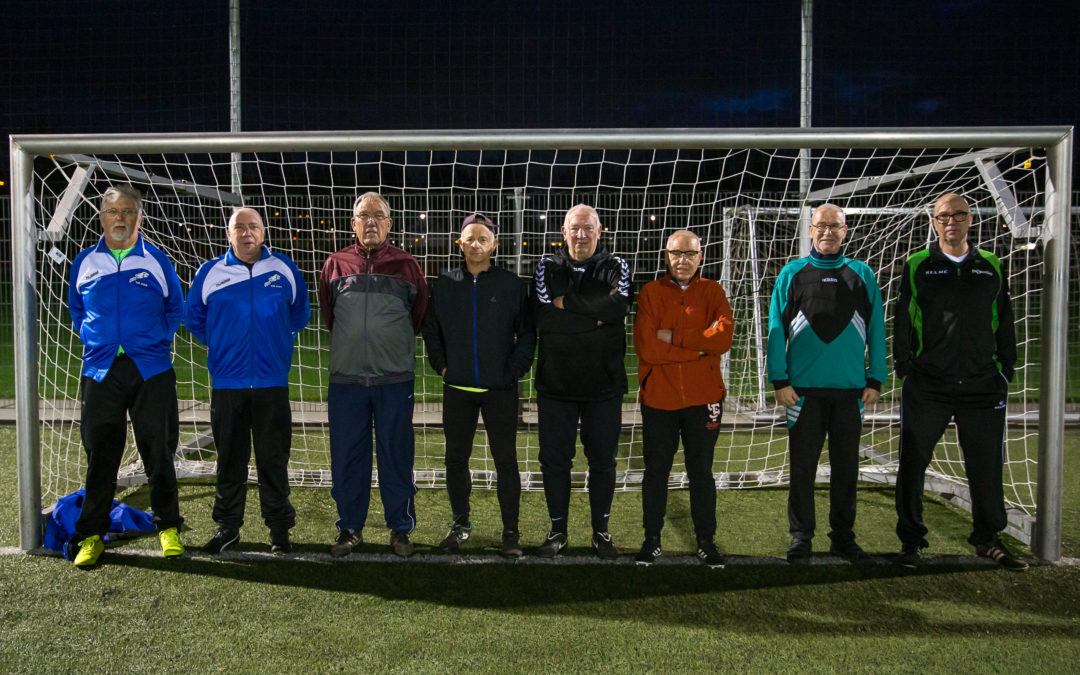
{"points": [[671, 594]]}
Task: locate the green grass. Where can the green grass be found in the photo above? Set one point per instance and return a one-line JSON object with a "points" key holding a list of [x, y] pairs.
{"points": [[141, 613]]}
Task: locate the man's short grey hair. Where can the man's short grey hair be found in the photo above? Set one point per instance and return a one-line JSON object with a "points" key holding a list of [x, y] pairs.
{"points": [[677, 233], [582, 207], [371, 195], [830, 205], [123, 190]]}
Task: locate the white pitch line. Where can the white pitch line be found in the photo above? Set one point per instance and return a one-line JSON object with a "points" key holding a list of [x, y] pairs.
{"points": [[494, 559]]}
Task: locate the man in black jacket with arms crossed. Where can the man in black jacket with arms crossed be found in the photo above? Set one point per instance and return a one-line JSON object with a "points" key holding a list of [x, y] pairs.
{"points": [[582, 298]]}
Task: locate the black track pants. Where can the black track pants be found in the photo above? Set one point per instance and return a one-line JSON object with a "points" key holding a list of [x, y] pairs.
{"points": [[460, 412], [840, 419]]}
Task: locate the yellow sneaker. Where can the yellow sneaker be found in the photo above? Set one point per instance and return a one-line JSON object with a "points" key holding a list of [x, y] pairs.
{"points": [[90, 550], [170, 543]]}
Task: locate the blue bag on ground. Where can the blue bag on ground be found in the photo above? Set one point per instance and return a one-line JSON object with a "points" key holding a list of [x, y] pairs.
{"points": [[124, 521]]}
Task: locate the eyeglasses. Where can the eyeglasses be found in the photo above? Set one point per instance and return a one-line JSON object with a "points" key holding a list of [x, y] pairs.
{"points": [[112, 213], [958, 216], [378, 217], [828, 228], [689, 255]]}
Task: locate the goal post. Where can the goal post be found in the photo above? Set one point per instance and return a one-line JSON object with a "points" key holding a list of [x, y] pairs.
{"points": [[743, 190]]}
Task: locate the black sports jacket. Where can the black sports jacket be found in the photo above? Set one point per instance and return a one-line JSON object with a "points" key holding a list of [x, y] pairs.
{"points": [[582, 347], [954, 321], [480, 328]]}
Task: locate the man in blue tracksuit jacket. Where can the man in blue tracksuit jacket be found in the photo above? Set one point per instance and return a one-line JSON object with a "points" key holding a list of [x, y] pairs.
{"points": [[126, 303], [247, 306]]}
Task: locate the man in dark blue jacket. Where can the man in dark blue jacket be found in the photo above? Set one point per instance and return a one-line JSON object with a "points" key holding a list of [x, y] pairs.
{"points": [[126, 303], [247, 307], [480, 338]]}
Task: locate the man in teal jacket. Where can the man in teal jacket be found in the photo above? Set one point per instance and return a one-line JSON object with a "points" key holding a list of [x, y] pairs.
{"points": [[825, 319]]}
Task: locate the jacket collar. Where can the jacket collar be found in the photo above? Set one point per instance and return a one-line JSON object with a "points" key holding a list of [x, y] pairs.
{"points": [[138, 249], [826, 257], [935, 249], [697, 275], [377, 251], [600, 254], [231, 259]]}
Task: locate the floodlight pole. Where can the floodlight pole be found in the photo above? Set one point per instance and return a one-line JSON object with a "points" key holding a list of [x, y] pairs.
{"points": [[519, 229], [24, 296], [805, 108], [1046, 540], [234, 87]]}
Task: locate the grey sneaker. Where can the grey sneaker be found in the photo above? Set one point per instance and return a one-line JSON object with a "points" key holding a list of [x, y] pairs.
{"points": [[555, 542], [909, 555], [511, 544], [347, 541], [457, 536], [401, 544]]}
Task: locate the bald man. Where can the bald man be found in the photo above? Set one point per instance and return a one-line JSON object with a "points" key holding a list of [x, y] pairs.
{"points": [[954, 345], [682, 328], [582, 296], [826, 360], [247, 307]]}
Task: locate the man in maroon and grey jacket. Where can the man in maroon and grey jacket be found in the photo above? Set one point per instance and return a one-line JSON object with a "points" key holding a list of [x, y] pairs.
{"points": [[372, 296]]}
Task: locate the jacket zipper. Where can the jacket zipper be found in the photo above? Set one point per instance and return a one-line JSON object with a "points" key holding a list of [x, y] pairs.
{"points": [[476, 346], [682, 311], [251, 322], [367, 299], [119, 314]]}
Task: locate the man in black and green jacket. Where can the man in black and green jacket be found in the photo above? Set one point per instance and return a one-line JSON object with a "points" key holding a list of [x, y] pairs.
{"points": [[954, 344]]}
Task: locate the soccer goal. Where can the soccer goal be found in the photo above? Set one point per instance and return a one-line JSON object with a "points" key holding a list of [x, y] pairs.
{"points": [[745, 192]]}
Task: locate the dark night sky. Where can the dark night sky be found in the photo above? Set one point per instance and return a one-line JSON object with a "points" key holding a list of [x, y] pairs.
{"points": [[113, 66]]}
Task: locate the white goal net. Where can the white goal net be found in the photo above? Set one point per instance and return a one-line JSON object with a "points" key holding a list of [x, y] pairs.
{"points": [[748, 204]]}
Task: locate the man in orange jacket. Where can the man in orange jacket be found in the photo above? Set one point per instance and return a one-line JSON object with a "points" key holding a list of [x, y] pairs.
{"points": [[683, 326]]}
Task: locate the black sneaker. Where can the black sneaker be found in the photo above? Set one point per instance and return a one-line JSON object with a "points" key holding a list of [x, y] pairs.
{"points": [[553, 543], [221, 540], [850, 551], [708, 554], [511, 544], [401, 544], [603, 546], [347, 540], [650, 551], [799, 550], [279, 541], [997, 552], [457, 536], [909, 555]]}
